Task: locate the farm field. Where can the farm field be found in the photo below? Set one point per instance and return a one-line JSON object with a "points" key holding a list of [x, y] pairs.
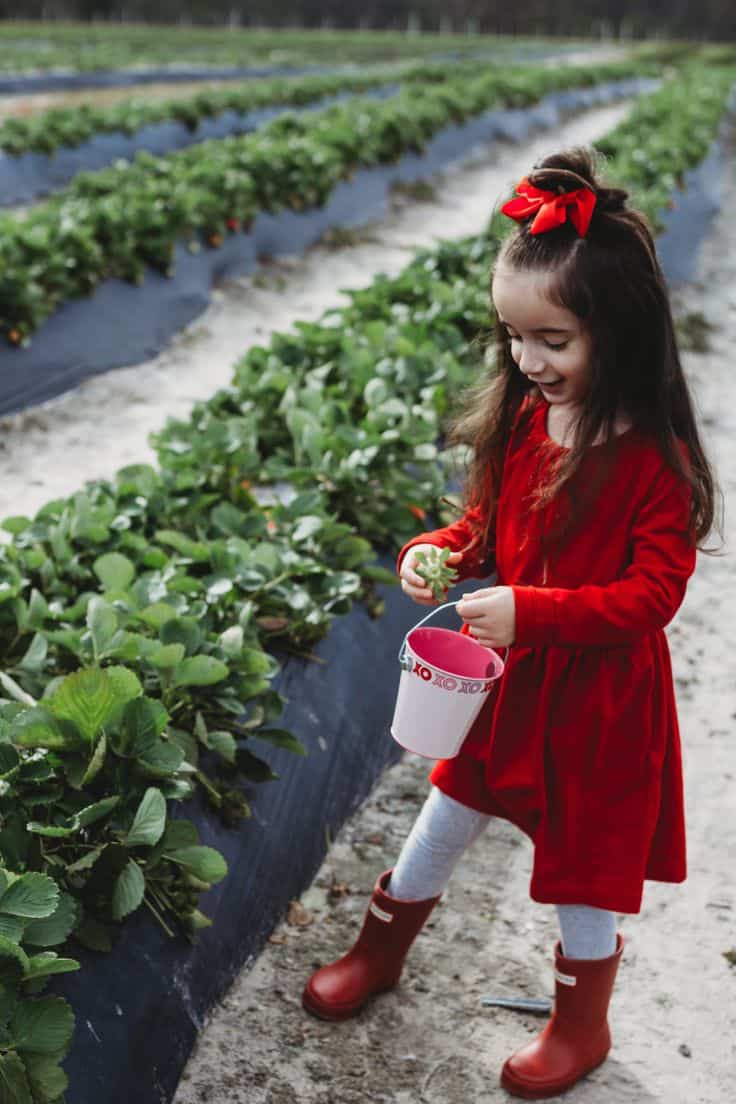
{"points": [[136, 401], [148, 544], [79, 47]]}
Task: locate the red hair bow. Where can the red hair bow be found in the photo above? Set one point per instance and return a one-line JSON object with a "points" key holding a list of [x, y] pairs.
{"points": [[551, 207]]}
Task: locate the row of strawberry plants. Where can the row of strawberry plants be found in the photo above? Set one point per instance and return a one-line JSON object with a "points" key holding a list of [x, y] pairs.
{"points": [[116, 222], [85, 47], [137, 613], [71, 126]]}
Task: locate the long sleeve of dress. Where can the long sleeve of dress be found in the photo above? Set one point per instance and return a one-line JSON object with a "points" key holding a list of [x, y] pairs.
{"points": [[644, 599], [464, 535]]}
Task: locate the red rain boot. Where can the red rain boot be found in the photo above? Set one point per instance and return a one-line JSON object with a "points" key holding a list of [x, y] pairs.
{"points": [[577, 1037], [338, 991]]}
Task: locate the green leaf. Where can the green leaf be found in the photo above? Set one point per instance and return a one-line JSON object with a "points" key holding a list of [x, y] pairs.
{"points": [[224, 744], [10, 949], [48, 963], [42, 1026], [375, 392], [203, 862], [199, 671], [181, 630], [306, 527], [18, 523], [150, 820], [51, 831], [14, 1087], [38, 610], [166, 656], [88, 699], [129, 889], [102, 622], [40, 728], [46, 1077], [115, 571], [35, 657], [279, 737], [125, 684], [11, 927], [14, 691], [231, 641], [254, 768], [143, 721], [92, 813], [86, 862], [157, 615], [179, 834], [55, 929], [192, 550], [33, 895], [95, 764], [254, 661], [162, 760]]}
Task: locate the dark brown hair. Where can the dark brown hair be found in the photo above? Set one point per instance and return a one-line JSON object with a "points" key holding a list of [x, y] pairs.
{"points": [[611, 280]]}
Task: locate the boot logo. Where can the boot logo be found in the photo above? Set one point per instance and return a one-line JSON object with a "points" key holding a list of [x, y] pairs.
{"points": [[380, 914], [566, 979]]}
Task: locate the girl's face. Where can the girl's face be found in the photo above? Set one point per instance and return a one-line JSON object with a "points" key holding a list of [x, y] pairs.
{"points": [[548, 342]]}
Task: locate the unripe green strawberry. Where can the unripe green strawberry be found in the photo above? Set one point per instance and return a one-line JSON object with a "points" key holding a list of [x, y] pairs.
{"points": [[432, 566]]}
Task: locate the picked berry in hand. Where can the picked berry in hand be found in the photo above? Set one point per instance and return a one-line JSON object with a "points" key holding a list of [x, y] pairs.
{"points": [[432, 566]]}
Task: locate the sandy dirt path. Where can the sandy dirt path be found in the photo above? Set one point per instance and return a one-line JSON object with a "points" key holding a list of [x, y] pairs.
{"points": [[50, 450], [430, 1041]]}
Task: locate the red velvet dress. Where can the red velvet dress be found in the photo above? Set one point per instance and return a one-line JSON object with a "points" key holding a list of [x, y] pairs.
{"points": [[578, 743]]}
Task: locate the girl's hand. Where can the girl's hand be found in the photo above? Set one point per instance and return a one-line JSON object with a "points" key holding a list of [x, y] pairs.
{"points": [[413, 585], [491, 614]]}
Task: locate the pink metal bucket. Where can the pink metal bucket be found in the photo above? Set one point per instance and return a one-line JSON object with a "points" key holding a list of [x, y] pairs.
{"points": [[445, 678]]}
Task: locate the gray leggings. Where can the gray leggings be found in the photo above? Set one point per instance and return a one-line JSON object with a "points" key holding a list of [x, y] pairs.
{"points": [[441, 832]]}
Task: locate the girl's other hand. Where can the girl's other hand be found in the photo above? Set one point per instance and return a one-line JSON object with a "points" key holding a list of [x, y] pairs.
{"points": [[491, 615], [413, 585]]}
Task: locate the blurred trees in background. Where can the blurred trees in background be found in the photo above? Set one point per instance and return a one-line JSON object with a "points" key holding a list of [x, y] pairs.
{"points": [[706, 19]]}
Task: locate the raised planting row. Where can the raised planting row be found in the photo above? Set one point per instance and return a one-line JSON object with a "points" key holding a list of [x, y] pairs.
{"points": [[90, 46], [139, 617], [68, 127], [116, 222]]}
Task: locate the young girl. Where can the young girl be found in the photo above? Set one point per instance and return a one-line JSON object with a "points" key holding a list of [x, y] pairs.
{"points": [[587, 493]]}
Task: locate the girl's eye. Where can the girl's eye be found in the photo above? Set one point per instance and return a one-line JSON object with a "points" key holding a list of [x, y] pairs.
{"points": [[561, 345]]}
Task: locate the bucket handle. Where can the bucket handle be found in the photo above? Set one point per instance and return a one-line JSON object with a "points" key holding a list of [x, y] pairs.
{"points": [[404, 660]]}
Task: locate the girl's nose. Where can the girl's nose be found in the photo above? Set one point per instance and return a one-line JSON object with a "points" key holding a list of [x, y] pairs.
{"points": [[529, 362]]}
